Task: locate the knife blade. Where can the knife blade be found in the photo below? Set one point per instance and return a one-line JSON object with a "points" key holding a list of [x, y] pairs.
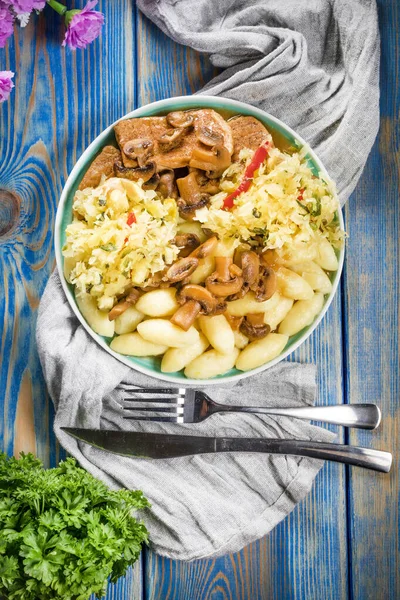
{"points": [[162, 445]]}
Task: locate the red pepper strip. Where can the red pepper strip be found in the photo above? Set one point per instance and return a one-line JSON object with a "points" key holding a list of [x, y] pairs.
{"points": [[301, 192], [131, 219], [259, 156]]}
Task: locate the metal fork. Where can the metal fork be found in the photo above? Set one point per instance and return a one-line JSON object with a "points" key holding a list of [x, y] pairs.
{"points": [[192, 406]]}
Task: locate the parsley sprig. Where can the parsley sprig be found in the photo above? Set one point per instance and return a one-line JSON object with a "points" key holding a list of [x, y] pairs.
{"points": [[63, 533]]}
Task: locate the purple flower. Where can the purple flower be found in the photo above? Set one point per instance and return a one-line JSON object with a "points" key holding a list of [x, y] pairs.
{"points": [[6, 85], [27, 6], [6, 23], [83, 26]]}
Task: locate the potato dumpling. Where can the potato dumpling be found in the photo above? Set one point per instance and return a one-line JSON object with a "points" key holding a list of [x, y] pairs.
{"points": [[97, 319], [292, 285], [314, 275], [162, 331], [326, 257], [204, 270], [249, 305], [241, 340], [211, 364], [132, 344], [158, 303], [128, 320], [302, 314], [218, 332], [275, 315], [259, 352], [176, 359]]}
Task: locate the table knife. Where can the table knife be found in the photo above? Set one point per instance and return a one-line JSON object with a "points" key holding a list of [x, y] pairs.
{"points": [[161, 445]]}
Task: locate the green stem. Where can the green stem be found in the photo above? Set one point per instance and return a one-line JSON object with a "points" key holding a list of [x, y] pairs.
{"points": [[57, 6]]}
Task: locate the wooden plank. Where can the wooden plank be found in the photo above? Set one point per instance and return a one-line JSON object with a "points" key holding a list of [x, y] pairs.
{"points": [[372, 299], [306, 555], [61, 102]]}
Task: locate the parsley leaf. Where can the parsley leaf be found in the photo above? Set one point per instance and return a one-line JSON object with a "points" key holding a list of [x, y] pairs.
{"points": [[63, 533]]}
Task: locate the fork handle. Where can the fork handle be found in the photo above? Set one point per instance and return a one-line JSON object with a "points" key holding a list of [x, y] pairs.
{"points": [[360, 416]]}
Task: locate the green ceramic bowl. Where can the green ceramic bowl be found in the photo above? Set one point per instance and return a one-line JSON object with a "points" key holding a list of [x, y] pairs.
{"points": [[281, 133]]}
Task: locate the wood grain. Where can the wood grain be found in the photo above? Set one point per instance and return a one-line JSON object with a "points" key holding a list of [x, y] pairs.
{"points": [[62, 100], [371, 286], [340, 542], [295, 560]]}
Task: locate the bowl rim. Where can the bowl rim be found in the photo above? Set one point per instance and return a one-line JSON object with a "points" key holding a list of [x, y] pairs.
{"points": [[197, 101]]}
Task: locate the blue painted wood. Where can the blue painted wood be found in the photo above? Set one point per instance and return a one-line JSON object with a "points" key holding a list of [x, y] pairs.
{"points": [[295, 560], [62, 100], [66, 99], [371, 289]]}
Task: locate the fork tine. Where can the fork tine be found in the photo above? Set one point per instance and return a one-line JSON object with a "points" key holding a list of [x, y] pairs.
{"points": [[153, 409], [170, 391], [146, 400], [156, 419]]}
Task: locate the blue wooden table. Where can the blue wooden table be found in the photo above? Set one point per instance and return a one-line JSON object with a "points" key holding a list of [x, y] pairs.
{"points": [[342, 542]]}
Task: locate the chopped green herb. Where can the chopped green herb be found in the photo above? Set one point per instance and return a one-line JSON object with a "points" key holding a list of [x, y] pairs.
{"points": [[256, 213], [102, 201], [108, 247], [63, 533]]}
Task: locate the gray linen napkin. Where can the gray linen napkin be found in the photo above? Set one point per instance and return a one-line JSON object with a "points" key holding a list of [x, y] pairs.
{"points": [[314, 65], [203, 505]]}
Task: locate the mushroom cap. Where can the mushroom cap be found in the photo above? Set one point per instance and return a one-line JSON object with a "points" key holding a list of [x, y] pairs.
{"points": [[200, 294], [171, 139], [208, 136], [222, 289], [266, 285], [254, 332], [206, 248], [186, 242], [181, 269], [188, 211], [179, 118], [214, 161], [250, 267], [139, 149], [135, 173]]}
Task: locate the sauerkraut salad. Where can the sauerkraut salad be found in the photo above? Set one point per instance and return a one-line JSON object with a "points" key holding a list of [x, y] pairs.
{"points": [[122, 234]]}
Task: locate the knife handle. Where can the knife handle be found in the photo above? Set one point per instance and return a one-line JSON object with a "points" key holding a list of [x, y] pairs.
{"points": [[367, 458]]}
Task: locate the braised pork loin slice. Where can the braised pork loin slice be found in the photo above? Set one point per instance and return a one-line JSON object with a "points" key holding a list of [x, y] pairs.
{"points": [[103, 164], [160, 131], [248, 132]]}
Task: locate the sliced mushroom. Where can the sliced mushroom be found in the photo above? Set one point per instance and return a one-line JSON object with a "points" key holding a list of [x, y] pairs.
{"points": [[171, 139], [253, 327], [213, 161], [206, 248], [167, 187], [191, 198], [152, 183], [186, 242], [221, 283], [209, 137], [266, 284], [250, 263], [188, 211], [234, 322], [135, 173], [181, 269], [180, 119], [206, 185], [220, 307], [195, 300], [140, 150], [124, 304]]}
